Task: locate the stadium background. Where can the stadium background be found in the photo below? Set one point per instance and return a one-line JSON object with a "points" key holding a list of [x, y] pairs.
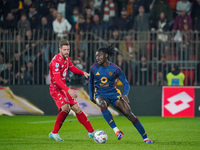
{"points": [[148, 104], [26, 52], [26, 49]]}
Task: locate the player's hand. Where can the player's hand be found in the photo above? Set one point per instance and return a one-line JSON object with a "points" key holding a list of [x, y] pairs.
{"points": [[72, 93], [125, 98], [86, 74]]}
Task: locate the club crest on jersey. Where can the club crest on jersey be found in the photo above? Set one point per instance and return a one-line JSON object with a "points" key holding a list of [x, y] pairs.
{"points": [[110, 73], [57, 65], [65, 62]]}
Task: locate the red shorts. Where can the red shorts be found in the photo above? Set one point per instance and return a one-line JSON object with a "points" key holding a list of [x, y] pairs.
{"points": [[61, 98]]}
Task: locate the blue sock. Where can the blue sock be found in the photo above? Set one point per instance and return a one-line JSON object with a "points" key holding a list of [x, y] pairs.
{"points": [[108, 117], [140, 128]]}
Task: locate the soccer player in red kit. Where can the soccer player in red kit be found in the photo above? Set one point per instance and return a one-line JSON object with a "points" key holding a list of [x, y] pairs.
{"points": [[64, 97]]}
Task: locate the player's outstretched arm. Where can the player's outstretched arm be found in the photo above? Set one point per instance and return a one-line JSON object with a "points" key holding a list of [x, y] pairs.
{"points": [[86, 74], [123, 79], [76, 70]]}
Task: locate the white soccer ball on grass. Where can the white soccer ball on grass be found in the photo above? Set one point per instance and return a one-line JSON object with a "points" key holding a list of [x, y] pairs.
{"points": [[100, 137]]}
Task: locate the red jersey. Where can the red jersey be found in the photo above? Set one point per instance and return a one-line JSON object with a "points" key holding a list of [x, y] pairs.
{"points": [[58, 71]]}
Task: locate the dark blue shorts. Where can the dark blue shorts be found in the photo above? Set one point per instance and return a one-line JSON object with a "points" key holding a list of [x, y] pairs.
{"points": [[110, 97]]}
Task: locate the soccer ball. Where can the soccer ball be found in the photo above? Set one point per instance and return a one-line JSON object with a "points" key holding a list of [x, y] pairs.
{"points": [[100, 137]]}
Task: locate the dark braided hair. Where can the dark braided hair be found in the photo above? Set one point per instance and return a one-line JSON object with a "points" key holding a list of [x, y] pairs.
{"points": [[110, 50]]}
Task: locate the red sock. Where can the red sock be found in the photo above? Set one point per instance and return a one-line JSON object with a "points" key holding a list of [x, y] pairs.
{"points": [[84, 121], [59, 121]]}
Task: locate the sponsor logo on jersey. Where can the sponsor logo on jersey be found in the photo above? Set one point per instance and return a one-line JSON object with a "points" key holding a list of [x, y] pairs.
{"points": [[104, 85], [97, 73], [56, 69], [57, 65], [104, 80]]}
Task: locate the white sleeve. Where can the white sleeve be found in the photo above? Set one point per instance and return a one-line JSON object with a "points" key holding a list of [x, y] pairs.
{"points": [[68, 25], [188, 7], [178, 6]]}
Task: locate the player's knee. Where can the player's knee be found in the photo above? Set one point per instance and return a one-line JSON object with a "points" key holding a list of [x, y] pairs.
{"points": [[76, 108], [128, 114], [101, 103], [65, 108], [131, 116]]}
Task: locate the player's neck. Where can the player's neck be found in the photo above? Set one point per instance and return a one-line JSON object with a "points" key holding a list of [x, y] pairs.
{"points": [[106, 63]]}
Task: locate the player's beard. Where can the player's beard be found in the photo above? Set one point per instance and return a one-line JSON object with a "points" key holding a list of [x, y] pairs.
{"points": [[101, 63], [65, 55]]}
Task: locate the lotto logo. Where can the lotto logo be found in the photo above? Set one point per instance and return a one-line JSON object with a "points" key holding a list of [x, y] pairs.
{"points": [[178, 102]]}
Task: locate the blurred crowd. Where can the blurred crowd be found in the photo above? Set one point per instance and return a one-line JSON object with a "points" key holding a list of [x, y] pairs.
{"points": [[50, 20], [129, 15]]}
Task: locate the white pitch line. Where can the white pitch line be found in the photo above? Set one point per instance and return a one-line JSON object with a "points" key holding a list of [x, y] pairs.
{"points": [[75, 119]]}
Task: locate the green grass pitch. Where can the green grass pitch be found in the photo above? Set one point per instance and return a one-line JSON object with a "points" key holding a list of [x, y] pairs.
{"points": [[31, 132]]}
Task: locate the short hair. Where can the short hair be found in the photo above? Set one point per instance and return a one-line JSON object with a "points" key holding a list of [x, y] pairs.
{"points": [[176, 66], [33, 6], [23, 14], [59, 14], [63, 42], [110, 50]]}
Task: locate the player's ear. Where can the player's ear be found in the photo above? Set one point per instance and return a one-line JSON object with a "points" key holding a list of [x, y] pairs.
{"points": [[106, 55]]}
